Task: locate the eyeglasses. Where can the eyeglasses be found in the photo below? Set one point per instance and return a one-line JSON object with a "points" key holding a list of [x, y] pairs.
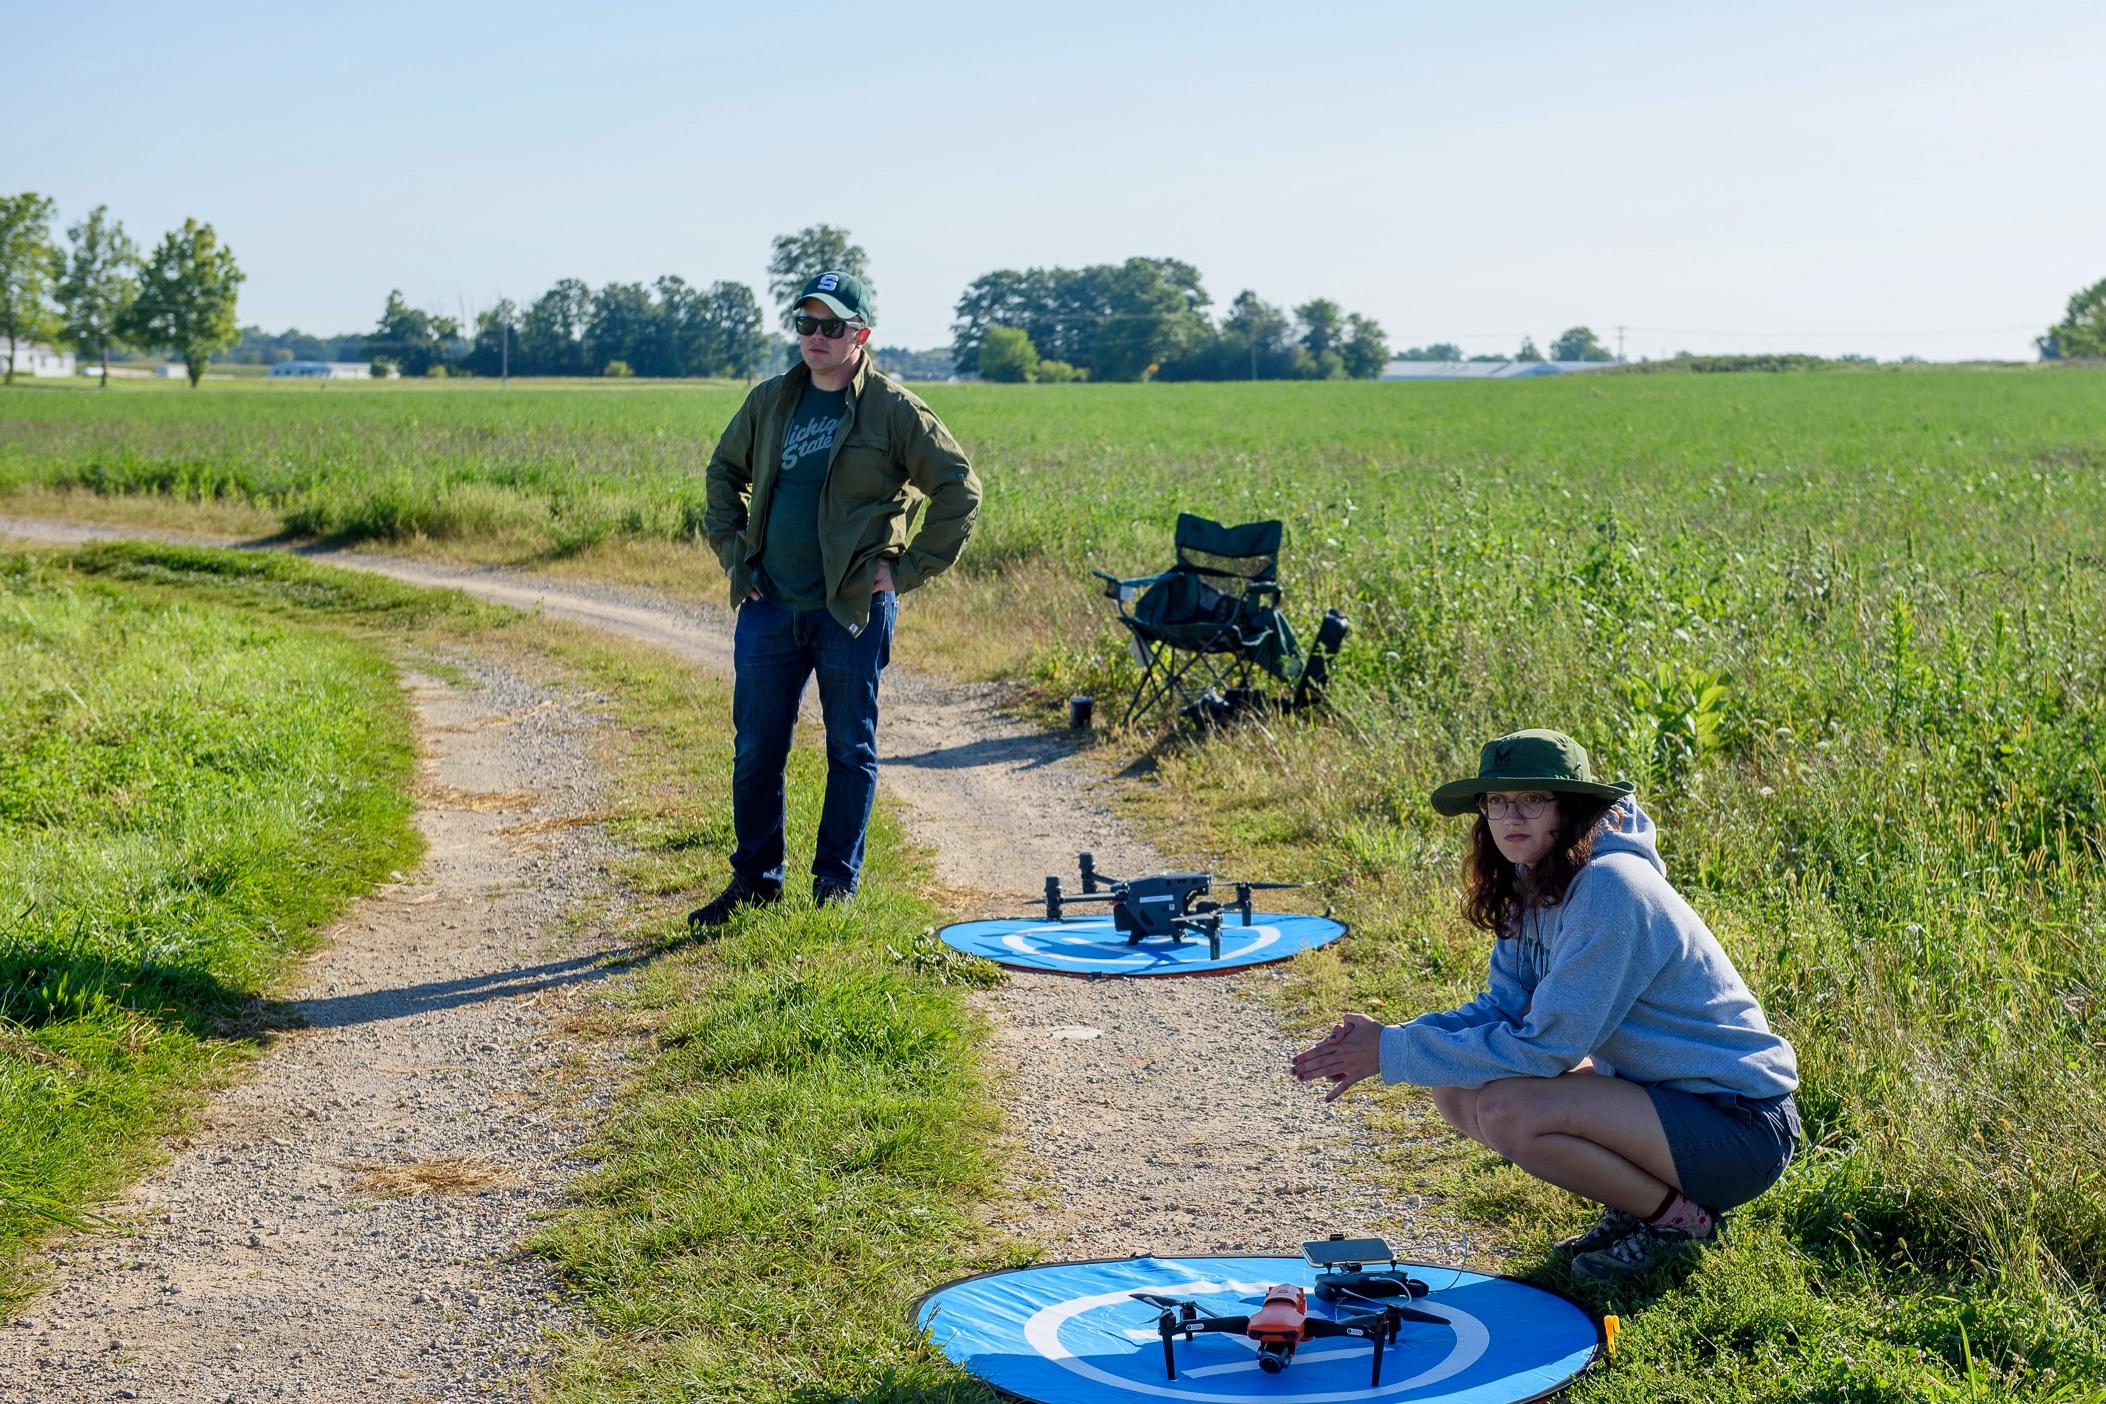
{"points": [[828, 327], [1496, 806]]}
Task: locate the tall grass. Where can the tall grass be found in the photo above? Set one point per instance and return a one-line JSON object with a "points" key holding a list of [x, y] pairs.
{"points": [[1842, 629], [186, 795]]}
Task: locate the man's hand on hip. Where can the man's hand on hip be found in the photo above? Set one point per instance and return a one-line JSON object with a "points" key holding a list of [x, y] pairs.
{"points": [[884, 576]]}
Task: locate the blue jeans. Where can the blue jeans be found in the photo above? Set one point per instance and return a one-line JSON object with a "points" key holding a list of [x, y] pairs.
{"points": [[774, 651]]}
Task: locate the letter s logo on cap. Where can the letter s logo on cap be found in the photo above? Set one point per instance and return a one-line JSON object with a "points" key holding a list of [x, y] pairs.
{"points": [[828, 282]]}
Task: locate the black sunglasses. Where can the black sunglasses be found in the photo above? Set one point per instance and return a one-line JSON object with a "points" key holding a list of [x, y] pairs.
{"points": [[828, 327]]}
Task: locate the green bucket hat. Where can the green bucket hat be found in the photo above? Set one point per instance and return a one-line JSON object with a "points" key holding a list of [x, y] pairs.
{"points": [[1528, 760]]}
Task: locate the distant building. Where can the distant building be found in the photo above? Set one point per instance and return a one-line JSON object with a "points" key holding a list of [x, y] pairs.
{"points": [[34, 358], [1487, 370], [323, 370]]}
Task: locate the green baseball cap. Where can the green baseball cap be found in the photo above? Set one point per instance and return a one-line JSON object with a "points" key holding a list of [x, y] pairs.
{"points": [[845, 293], [1528, 760]]}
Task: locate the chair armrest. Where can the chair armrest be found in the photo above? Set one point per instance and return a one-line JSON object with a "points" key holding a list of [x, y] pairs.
{"points": [[1124, 590]]}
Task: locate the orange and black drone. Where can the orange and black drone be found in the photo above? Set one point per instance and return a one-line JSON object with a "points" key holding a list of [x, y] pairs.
{"points": [[1162, 905], [1283, 1321]]}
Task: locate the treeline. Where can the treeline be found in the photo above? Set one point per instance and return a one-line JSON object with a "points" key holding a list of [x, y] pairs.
{"points": [[1572, 344], [258, 347], [98, 295], [1147, 318], [667, 329]]}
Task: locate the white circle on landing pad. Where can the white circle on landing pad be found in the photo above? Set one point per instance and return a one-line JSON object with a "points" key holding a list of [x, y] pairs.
{"points": [[1090, 945], [1103, 947], [1072, 1333]]}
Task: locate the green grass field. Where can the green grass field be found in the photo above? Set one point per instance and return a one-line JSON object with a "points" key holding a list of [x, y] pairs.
{"points": [[1842, 628], [188, 793]]}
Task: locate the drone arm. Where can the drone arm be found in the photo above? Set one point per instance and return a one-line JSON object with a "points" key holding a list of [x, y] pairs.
{"points": [[1056, 899]]}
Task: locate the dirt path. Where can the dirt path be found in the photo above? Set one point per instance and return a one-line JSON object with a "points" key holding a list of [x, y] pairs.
{"points": [[1113, 1090], [344, 1223]]}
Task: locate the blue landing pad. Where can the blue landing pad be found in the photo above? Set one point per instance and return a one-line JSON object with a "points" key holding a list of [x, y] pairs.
{"points": [[1087, 945], [1069, 1333]]}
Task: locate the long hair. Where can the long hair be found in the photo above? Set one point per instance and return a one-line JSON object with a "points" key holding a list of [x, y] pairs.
{"points": [[1494, 892]]}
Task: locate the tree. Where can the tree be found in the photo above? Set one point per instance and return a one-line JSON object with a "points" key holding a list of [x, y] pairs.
{"points": [[798, 258], [96, 285], [1006, 354], [186, 298], [2082, 330], [735, 344], [411, 340], [552, 333], [620, 327], [1004, 298], [1528, 350], [1439, 351], [1151, 316], [1256, 333], [496, 340], [1323, 325], [1579, 344], [1366, 349], [27, 265]]}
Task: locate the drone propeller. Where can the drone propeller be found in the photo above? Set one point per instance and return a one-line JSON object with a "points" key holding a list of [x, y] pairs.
{"points": [[1269, 886], [1178, 1304]]}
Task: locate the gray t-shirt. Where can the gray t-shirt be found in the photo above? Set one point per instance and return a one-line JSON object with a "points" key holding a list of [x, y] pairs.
{"points": [[791, 572]]}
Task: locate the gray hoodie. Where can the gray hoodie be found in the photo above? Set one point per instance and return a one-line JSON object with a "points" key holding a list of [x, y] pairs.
{"points": [[1623, 970]]}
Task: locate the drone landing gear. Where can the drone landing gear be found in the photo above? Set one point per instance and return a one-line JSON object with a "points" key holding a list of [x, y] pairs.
{"points": [[1163, 905]]}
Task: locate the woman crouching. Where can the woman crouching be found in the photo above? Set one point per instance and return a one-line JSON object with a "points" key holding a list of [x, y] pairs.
{"points": [[1615, 1052]]}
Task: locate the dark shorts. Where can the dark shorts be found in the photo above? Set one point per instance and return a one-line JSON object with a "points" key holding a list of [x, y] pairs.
{"points": [[1727, 1149]]}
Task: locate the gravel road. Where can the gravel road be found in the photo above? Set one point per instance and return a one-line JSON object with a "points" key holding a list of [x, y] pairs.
{"points": [[1146, 1115], [344, 1223]]}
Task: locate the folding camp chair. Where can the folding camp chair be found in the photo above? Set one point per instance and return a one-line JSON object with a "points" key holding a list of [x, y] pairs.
{"points": [[1210, 622]]}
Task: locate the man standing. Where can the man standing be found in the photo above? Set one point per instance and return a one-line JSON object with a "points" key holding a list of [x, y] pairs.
{"points": [[809, 512]]}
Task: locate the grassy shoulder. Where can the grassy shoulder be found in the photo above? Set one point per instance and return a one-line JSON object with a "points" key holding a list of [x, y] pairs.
{"points": [[808, 1146], [190, 793], [807, 1143]]}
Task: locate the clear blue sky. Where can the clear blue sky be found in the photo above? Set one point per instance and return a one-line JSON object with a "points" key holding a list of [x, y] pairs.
{"points": [[1886, 178]]}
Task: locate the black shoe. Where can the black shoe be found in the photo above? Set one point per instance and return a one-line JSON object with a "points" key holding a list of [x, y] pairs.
{"points": [[740, 893], [830, 894], [1612, 1225], [1643, 1249]]}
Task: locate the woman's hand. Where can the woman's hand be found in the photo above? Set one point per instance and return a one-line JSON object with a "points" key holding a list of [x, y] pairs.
{"points": [[1350, 1052]]}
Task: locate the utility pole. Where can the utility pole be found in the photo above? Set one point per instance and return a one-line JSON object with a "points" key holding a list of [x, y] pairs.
{"points": [[1619, 343], [504, 352]]}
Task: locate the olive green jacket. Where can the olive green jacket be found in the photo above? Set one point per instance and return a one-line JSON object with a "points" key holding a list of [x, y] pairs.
{"points": [[891, 452]]}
